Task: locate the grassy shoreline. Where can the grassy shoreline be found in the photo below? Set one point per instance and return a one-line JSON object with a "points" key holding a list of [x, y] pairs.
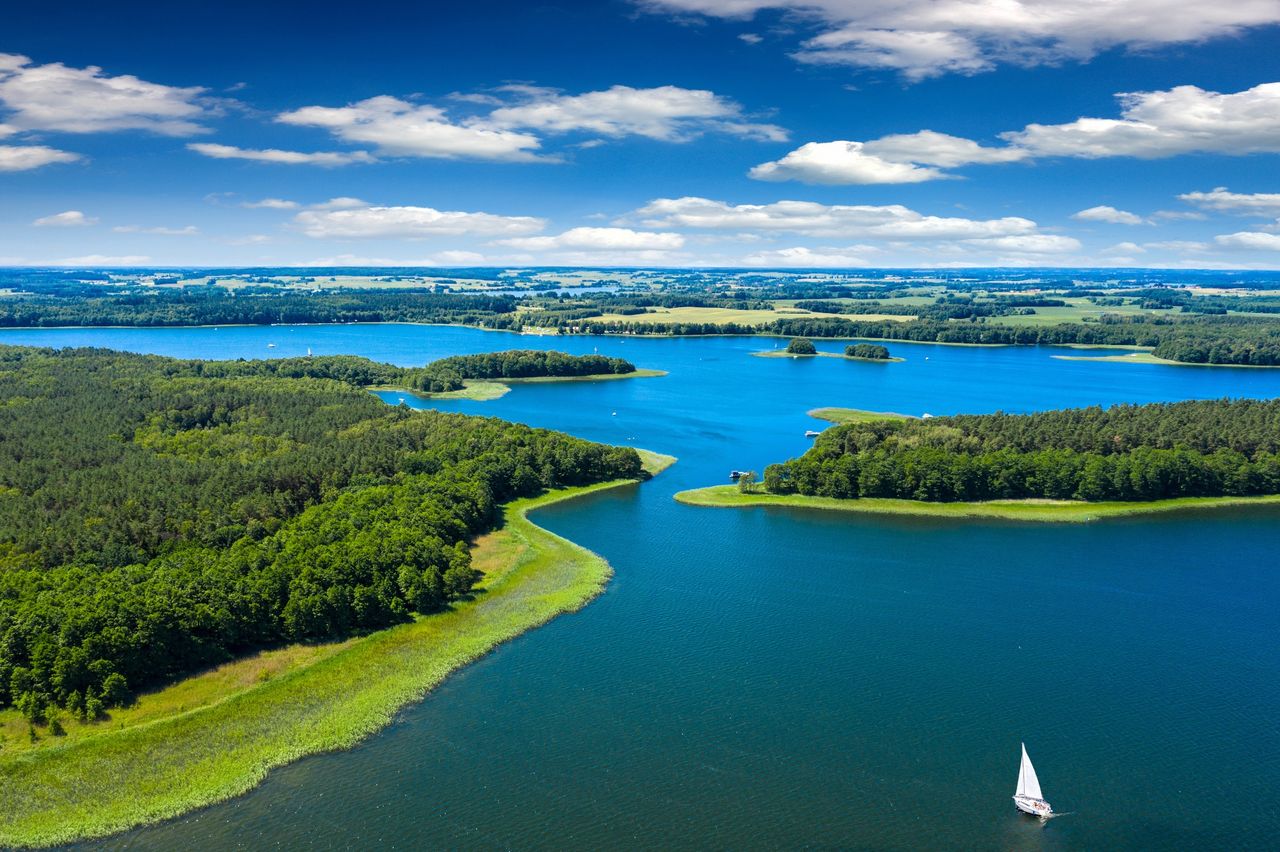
{"points": [[1041, 511], [854, 415], [111, 776], [1145, 357], [481, 390]]}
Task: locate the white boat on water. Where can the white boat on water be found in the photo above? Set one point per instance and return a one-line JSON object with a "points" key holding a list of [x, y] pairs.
{"points": [[1028, 798]]}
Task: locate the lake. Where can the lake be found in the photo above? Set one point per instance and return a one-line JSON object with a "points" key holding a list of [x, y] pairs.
{"points": [[781, 678]]}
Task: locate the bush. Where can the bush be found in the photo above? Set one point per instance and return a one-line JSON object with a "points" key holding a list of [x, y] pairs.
{"points": [[801, 346]]}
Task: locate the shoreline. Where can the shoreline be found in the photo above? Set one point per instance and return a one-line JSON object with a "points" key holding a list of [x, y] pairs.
{"points": [[481, 390], [104, 780], [1036, 511], [1145, 357]]}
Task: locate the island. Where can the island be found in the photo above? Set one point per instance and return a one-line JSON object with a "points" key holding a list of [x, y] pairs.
{"points": [[802, 347], [1063, 465], [224, 566], [490, 375]]}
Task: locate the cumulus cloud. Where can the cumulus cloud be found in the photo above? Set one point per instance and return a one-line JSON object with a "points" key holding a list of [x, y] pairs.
{"points": [[159, 230], [271, 204], [508, 132], [925, 38], [666, 113], [1249, 241], [275, 155], [1029, 244], [103, 260], [892, 221], [1110, 215], [87, 100], [840, 163], [1221, 200], [400, 128], [65, 219], [1182, 120], [807, 258], [20, 158], [600, 239], [352, 219]]}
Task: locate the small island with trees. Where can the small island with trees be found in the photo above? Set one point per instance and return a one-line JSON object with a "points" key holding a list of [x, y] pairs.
{"points": [[1065, 465], [802, 347]]}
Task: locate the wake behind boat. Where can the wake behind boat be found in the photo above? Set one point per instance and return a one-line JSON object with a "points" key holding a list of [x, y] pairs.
{"points": [[1028, 797]]}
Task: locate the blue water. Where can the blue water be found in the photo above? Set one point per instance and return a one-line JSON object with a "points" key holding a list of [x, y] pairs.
{"points": [[773, 678]]}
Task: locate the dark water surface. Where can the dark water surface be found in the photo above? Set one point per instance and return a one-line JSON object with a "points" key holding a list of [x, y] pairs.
{"points": [[772, 678]]}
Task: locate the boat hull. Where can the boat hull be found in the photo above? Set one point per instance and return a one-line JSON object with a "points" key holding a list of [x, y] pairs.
{"points": [[1035, 807]]}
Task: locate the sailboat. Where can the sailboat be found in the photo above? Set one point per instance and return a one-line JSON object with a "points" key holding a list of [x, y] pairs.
{"points": [[1028, 798]]}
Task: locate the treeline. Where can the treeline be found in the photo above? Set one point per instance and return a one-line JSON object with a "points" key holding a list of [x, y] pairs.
{"points": [[217, 306], [159, 516], [1126, 452], [449, 374]]}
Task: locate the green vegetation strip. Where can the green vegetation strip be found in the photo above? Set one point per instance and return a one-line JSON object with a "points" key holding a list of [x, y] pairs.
{"points": [[1145, 357], [481, 390], [100, 783], [855, 415], [1049, 511]]}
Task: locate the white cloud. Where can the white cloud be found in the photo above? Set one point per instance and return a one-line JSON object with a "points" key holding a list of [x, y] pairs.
{"points": [[1124, 248], [1030, 244], [346, 220], [85, 100], [840, 163], [1182, 120], [19, 158], [399, 128], [892, 221], [103, 260], [1176, 245], [188, 231], [924, 38], [1221, 200], [600, 239], [1249, 240], [1109, 214], [65, 219], [667, 113], [271, 204], [807, 258], [750, 38], [1189, 215], [275, 155]]}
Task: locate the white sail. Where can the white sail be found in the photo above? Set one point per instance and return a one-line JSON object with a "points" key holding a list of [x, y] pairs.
{"points": [[1028, 783]]}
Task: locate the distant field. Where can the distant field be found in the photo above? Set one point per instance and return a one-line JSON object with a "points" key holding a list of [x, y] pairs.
{"points": [[1076, 310], [721, 316]]}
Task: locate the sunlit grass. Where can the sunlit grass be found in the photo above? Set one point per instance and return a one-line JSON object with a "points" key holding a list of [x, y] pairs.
{"points": [[217, 735], [1052, 511]]}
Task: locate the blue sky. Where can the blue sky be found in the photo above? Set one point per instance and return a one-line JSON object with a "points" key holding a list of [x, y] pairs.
{"points": [[765, 133]]}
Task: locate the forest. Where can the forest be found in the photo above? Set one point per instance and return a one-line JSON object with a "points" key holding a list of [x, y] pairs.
{"points": [[1126, 452], [158, 516], [448, 374]]}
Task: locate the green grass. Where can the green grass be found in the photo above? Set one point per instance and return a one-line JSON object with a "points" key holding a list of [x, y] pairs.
{"points": [[855, 415], [1145, 357], [217, 735], [481, 390], [1050, 511]]}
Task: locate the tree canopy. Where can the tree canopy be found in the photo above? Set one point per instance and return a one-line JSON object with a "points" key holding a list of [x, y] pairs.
{"points": [[158, 516], [1126, 452]]}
